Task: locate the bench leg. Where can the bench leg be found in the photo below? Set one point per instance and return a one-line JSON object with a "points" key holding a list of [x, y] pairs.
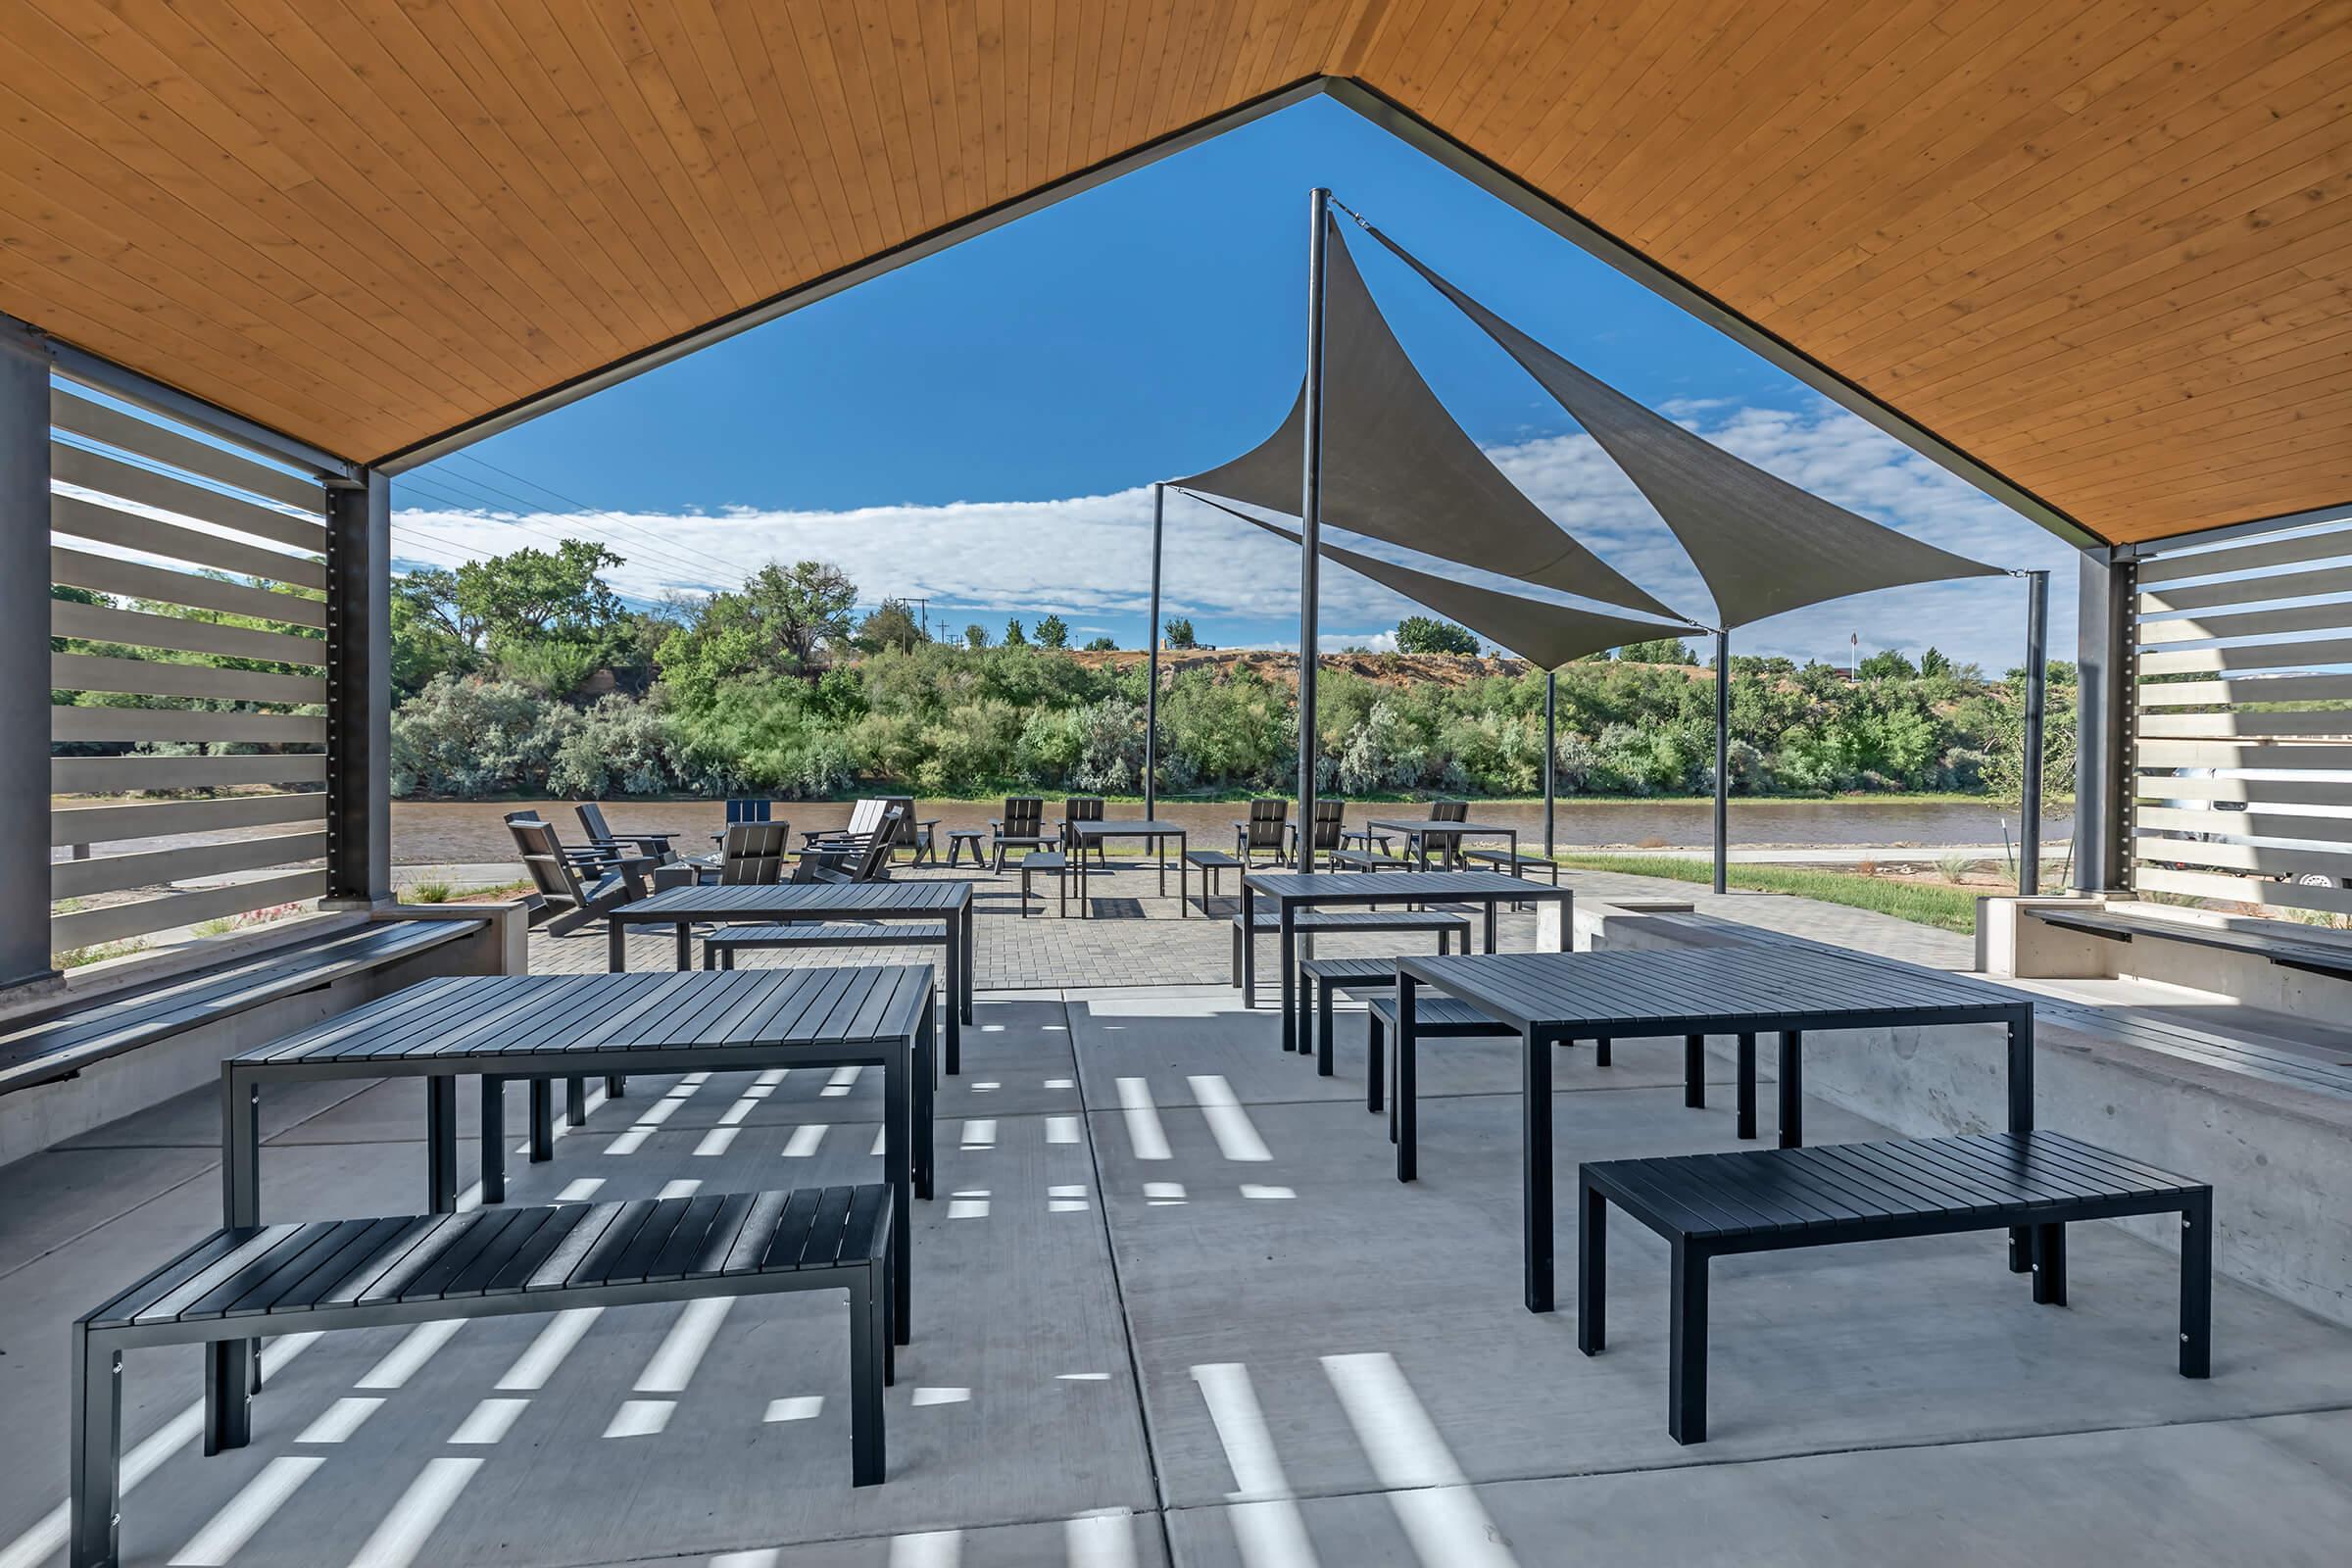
{"points": [[2196, 1287], [97, 1456], [868, 1334], [1792, 1088], [1375, 1049], [1405, 1118], [227, 1400], [575, 1102], [440, 1144], [1323, 1031], [2049, 1265], [1592, 1269], [1748, 1086], [543, 1120], [1694, 1071], [617, 1084], [494, 1139], [1601, 1051], [685, 947], [1686, 1351]]}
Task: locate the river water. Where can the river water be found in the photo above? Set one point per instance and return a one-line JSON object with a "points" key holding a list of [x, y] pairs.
{"points": [[445, 832]]}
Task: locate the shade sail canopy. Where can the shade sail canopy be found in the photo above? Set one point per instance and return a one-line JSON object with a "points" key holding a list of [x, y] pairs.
{"points": [[1762, 545], [1395, 467], [1547, 635]]}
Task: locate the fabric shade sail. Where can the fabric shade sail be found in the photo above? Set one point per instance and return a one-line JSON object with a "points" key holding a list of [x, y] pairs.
{"points": [[1397, 468], [1547, 635], [1761, 544]]}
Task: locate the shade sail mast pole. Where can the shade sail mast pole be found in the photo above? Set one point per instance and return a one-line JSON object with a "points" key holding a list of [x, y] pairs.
{"points": [[1310, 518], [2037, 674], [1159, 505], [1551, 706], [1723, 758]]}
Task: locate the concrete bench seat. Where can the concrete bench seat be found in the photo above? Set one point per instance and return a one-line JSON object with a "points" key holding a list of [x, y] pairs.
{"points": [[365, 1273], [2289, 947], [1771, 1200], [1309, 922], [78, 1034]]}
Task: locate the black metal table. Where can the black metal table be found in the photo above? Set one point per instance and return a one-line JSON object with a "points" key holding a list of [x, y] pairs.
{"points": [[1293, 891], [541, 1027], [686, 908], [1092, 835], [1553, 998], [1418, 831]]}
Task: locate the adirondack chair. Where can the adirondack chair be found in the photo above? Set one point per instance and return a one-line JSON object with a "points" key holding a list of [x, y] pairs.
{"points": [[912, 834], [1450, 811], [862, 817], [1330, 828], [574, 886], [1264, 830], [654, 845], [755, 854], [1022, 827], [1082, 809], [866, 863]]}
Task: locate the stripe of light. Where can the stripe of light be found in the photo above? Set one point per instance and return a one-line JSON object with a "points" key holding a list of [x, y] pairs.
{"points": [[681, 1349], [1431, 1496], [340, 1420], [804, 1141], [489, 1421], [225, 1535], [417, 1515], [1236, 1134], [423, 1342], [535, 1365], [1101, 1538], [1266, 1523], [1144, 1131], [932, 1548]]}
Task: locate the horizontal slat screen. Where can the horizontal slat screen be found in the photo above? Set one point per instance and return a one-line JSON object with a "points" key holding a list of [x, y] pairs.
{"points": [[187, 723], [2242, 725]]}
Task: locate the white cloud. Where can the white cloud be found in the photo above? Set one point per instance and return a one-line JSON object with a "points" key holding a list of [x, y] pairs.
{"points": [[1089, 556]]}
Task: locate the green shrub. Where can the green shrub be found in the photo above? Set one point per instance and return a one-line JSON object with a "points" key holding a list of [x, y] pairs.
{"points": [[466, 738]]}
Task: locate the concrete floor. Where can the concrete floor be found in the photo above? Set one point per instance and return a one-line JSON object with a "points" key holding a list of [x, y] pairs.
{"points": [[1171, 1306]]}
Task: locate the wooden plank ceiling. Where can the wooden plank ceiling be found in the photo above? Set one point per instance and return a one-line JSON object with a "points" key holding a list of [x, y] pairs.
{"points": [[2101, 246]]}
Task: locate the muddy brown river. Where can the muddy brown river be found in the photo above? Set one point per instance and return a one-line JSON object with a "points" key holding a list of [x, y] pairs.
{"points": [[443, 832]]}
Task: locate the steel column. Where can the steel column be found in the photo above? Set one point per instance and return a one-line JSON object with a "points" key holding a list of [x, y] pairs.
{"points": [[1159, 507], [2104, 700], [2037, 681], [1551, 706], [1722, 760], [1311, 519], [24, 664], [359, 692]]}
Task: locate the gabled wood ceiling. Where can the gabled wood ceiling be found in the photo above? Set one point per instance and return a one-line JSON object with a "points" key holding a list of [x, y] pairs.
{"points": [[2101, 247]]}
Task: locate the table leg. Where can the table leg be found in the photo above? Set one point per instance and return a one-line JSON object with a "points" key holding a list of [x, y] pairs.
{"points": [[926, 1097], [1694, 1071], [1323, 1030], [1405, 1105], [440, 1144], [1536, 1169], [898, 1121], [494, 1139], [1792, 1087], [1591, 1268], [1245, 944], [2021, 1119], [971, 953], [1748, 1086], [1490, 926], [575, 1102], [543, 1120], [685, 945], [1290, 973], [234, 1366], [617, 946]]}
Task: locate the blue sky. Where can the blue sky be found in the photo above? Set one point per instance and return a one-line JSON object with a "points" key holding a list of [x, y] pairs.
{"points": [[980, 428]]}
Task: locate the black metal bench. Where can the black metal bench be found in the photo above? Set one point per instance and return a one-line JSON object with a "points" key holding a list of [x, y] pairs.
{"points": [[1211, 863], [720, 946], [75, 1034], [2287, 948], [1516, 862], [1311, 922], [368, 1273], [1769, 1199], [1436, 1016]]}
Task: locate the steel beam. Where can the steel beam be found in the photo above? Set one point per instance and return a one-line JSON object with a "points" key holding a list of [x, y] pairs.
{"points": [[2104, 680], [1311, 519], [358, 693], [24, 664]]}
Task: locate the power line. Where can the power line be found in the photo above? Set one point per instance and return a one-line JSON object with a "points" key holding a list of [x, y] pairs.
{"points": [[463, 503], [579, 506]]}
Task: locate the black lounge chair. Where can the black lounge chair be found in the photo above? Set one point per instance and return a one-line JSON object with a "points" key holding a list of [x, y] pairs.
{"points": [[919, 836], [862, 817], [1264, 830], [1330, 828], [1081, 809], [755, 854], [574, 886], [653, 845], [1022, 827], [866, 863]]}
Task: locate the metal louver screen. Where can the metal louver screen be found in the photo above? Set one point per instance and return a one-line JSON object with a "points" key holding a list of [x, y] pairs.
{"points": [[188, 724], [2242, 725]]}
